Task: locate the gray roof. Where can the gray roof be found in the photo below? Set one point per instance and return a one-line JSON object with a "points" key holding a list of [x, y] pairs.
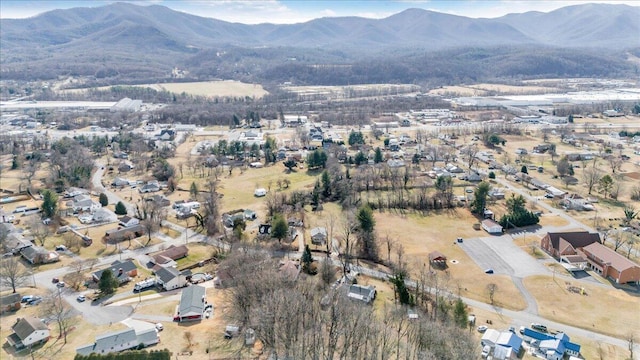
{"points": [[108, 341], [167, 274], [319, 231], [115, 267], [32, 251], [192, 300], [26, 326], [10, 299]]}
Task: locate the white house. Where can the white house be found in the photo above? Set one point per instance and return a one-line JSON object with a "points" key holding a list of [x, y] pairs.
{"points": [[28, 332], [491, 226], [119, 341], [128, 221], [170, 278], [85, 204], [365, 294]]}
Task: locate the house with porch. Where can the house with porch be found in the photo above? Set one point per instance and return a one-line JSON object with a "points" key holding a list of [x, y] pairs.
{"points": [[28, 332], [119, 341], [192, 304]]}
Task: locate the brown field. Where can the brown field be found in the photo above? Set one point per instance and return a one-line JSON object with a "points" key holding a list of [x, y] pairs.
{"points": [[420, 235], [589, 312], [488, 89], [219, 88]]}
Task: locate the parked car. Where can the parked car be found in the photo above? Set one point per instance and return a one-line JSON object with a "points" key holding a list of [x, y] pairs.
{"points": [[60, 284], [61, 248], [159, 327], [459, 240], [37, 300], [485, 351], [55, 280], [27, 298], [81, 298], [482, 328], [539, 327], [488, 271]]}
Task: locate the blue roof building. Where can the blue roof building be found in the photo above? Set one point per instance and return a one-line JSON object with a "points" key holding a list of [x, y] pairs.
{"points": [[559, 343]]}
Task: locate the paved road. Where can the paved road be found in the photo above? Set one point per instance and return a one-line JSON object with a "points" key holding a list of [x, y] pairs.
{"points": [[96, 182]]}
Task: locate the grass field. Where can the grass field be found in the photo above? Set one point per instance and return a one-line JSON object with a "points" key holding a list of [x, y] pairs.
{"points": [[591, 311], [219, 88]]}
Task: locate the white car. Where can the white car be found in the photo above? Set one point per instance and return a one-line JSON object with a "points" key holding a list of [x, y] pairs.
{"points": [[482, 328], [159, 327]]}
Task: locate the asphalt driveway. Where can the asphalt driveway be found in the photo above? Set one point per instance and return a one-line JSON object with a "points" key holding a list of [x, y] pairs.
{"points": [[503, 256]]}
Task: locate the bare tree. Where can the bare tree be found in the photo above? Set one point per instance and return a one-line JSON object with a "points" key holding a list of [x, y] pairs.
{"points": [[469, 153], [631, 342], [39, 230], [151, 215], [56, 308], [209, 217], [491, 291], [13, 274], [348, 229], [591, 176]]}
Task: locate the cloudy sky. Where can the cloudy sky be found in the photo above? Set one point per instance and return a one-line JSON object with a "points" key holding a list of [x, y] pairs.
{"points": [[286, 12]]}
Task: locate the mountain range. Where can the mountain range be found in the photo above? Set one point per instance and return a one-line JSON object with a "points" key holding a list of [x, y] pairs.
{"points": [[121, 34]]}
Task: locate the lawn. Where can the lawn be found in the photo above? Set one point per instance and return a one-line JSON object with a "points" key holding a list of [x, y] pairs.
{"points": [[420, 235], [556, 302], [197, 252]]}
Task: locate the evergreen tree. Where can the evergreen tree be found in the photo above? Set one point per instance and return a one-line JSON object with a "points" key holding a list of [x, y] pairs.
{"points": [[193, 190], [378, 156], [280, 228], [49, 203], [402, 293], [104, 200], [326, 184], [524, 169], [460, 315], [306, 260], [480, 200], [121, 209], [108, 283]]}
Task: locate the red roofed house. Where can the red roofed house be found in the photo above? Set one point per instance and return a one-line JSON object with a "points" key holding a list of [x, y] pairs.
{"points": [[167, 257], [567, 243], [610, 264]]}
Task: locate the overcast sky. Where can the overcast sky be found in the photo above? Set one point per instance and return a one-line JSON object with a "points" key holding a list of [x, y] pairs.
{"points": [[287, 12]]}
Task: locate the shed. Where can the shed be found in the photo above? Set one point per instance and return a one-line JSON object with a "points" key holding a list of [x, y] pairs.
{"points": [[10, 302], [438, 259], [260, 192], [491, 226]]}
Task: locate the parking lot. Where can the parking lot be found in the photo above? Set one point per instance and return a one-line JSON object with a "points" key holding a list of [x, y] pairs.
{"points": [[503, 256]]}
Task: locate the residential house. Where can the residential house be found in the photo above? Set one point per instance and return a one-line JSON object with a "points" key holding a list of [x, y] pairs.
{"points": [[491, 226], [39, 255], [104, 215], [166, 135], [84, 203], [149, 187], [74, 191], [318, 236], [169, 278], [576, 202], [128, 221], [362, 293], [125, 166], [14, 241], [567, 243], [504, 345], [28, 332], [10, 302], [192, 304], [159, 199], [167, 257], [556, 193], [289, 269], [120, 182], [119, 341], [610, 264], [124, 271], [552, 346], [124, 233]]}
